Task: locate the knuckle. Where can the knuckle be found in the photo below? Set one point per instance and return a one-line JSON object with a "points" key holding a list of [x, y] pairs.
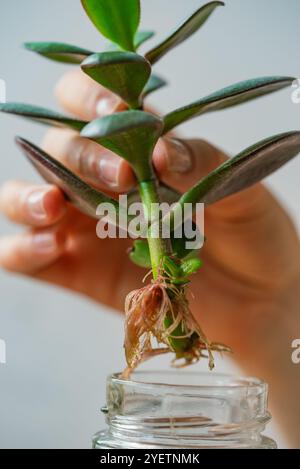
{"points": [[64, 82], [74, 153], [49, 140], [12, 260], [58, 142]]}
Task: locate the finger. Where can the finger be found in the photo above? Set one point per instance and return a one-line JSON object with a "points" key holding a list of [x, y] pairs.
{"points": [[89, 160], [78, 94], [30, 252], [29, 204], [183, 163]]}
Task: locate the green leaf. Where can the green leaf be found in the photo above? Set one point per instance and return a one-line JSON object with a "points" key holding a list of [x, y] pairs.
{"points": [[141, 37], [191, 266], [124, 73], [171, 267], [244, 170], [59, 52], [41, 115], [183, 32], [130, 134], [238, 173], [180, 272], [227, 97], [179, 245], [117, 20], [140, 254], [83, 196], [154, 83]]}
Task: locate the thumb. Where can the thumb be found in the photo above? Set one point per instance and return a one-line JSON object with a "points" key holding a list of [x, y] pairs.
{"points": [[182, 163]]}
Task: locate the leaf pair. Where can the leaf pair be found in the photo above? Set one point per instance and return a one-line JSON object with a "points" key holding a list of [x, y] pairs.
{"points": [[224, 98], [238, 173], [133, 134], [124, 73], [118, 20], [140, 253]]}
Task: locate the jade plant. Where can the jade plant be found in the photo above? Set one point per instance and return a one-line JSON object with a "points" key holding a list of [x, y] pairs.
{"points": [[158, 318]]}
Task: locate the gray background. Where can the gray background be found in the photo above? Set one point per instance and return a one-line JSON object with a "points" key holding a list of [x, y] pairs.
{"points": [[60, 347]]}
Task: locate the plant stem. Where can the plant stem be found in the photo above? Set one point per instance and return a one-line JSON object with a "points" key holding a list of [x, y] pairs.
{"points": [[158, 247]]}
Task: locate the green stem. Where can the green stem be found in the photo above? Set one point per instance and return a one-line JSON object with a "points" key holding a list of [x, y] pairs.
{"points": [[158, 247]]}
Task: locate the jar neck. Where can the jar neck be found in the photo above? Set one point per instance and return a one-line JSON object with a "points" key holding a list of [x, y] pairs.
{"points": [[188, 432], [219, 411]]}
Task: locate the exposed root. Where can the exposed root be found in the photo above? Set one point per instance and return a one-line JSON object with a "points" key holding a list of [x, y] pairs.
{"points": [[154, 353], [160, 312], [197, 352]]}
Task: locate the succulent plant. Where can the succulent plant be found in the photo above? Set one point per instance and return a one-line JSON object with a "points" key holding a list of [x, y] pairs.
{"points": [[160, 309]]}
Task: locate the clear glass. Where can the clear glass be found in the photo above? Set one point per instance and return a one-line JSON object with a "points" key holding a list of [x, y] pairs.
{"points": [[179, 409]]}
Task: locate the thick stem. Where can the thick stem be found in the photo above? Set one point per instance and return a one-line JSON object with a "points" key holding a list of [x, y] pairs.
{"points": [[158, 247]]}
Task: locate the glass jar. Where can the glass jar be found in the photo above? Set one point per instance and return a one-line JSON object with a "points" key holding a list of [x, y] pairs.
{"points": [[179, 409]]}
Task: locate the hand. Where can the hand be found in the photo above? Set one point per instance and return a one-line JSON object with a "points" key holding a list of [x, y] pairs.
{"points": [[251, 257]]}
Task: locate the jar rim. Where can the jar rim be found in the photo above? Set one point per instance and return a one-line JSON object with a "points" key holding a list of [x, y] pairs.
{"points": [[195, 407], [209, 380]]}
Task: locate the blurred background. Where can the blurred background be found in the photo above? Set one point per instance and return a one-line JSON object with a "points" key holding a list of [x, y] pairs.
{"points": [[61, 347]]}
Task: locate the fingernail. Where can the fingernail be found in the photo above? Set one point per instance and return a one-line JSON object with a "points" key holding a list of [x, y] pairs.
{"points": [[44, 243], [35, 204], [107, 105], [109, 171], [178, 156]]}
